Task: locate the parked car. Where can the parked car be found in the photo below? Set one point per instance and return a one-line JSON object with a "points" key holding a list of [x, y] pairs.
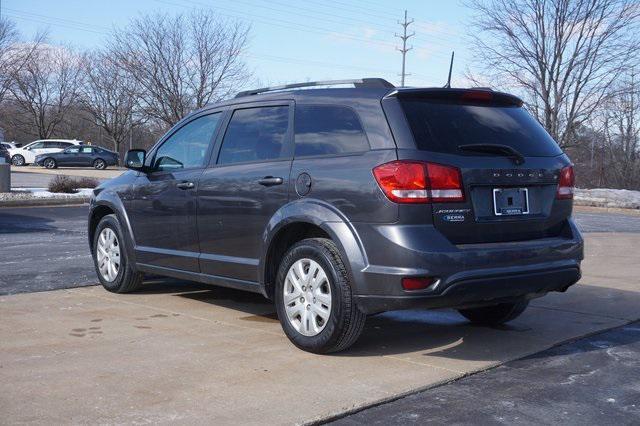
{"points": [[27, 154], [11, 145], [338, 203], [81, 156], [4, 154]]}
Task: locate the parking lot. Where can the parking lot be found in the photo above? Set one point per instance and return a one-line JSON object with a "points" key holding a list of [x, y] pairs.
{"points": [[185, 352]]}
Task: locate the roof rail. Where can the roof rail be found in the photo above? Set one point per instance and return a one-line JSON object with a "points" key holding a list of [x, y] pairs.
{"points": [[360, 82]]}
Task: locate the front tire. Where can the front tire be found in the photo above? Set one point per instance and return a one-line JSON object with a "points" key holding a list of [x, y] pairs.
{"points": [[495, 314], [99, 164], [314, 301], [17, 160], [49, 163], [114, 270]]}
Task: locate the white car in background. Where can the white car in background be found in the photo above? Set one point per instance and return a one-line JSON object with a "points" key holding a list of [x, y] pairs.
{"points": [[27, 154]]}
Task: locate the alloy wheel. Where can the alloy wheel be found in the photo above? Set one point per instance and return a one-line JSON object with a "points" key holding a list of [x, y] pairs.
{"points": [[49, 163], [108, 254], [17, 160], [99, 164], [307, 297]]}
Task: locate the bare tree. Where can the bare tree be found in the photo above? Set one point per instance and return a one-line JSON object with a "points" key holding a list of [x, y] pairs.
{"points": [[46, 85], [13, 54], [621, 129], [110, 97], [563, 55], [181, 63], [8, 38]]}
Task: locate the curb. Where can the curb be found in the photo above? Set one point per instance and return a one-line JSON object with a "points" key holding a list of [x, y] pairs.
{"points": [[32, 202]]}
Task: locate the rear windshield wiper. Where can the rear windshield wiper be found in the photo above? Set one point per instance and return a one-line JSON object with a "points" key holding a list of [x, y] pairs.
{"points": [[494, 148]]}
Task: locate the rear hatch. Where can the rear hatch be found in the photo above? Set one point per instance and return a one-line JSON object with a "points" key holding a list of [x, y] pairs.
{"points": [[509, 165]]}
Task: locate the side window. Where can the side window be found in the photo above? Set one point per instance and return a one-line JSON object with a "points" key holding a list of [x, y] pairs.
{"points": [[73, 149], [38, 145], [86, 150], [255, 134], [50, 145], [188, 146], [322, 130]]}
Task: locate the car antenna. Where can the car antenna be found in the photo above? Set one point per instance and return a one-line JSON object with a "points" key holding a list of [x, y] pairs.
{"points": [[448, 85]]}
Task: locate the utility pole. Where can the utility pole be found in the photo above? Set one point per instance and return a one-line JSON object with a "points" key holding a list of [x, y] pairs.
{"points": [[404, 37]]}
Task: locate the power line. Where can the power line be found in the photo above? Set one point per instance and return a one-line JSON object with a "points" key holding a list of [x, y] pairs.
{"points": [[242, 15], [404, 37]]}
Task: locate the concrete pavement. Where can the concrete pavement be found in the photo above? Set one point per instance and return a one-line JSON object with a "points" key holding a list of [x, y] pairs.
{"points": [[198, 355]]}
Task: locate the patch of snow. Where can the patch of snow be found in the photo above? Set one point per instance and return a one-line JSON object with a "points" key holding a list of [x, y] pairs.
{"points": [[42, 193], [605, 197]]}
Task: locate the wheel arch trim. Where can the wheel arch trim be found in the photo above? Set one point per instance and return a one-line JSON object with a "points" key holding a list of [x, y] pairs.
{"points": [[324, 216], [114, 204]]}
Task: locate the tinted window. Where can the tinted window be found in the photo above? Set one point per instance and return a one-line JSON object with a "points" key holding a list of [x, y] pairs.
{"points": [[188, 146], [324, 130], [64, 144], [255, 134], [73, 149], [37, 145], [442, 126]]}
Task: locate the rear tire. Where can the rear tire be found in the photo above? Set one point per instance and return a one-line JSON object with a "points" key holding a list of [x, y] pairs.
{"points": [[121, 278], [50, 163], [17, 160], [345, 321], [99, 164], [495, 314]]}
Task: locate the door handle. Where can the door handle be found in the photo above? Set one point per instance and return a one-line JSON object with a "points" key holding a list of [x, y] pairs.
{"points": [[271, 181], [186, 185]]}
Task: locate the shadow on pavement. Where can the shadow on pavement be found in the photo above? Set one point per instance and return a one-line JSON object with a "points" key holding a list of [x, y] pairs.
{"points": [[443, 333], [18, 224]]}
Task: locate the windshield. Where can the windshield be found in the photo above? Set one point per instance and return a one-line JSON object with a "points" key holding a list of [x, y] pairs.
{"points": [[442, 126]]}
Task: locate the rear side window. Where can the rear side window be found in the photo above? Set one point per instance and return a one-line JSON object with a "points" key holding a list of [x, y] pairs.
{"points": [[326, 130], [255, 134], [442, 126], [86, 150]]}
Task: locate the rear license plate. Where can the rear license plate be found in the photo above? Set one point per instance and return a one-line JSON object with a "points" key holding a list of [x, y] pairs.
{"points": [[510, 201]]}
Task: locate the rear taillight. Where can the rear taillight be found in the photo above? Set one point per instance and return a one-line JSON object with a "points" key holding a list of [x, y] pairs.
{"points": [[566, 184], [419, 182]]}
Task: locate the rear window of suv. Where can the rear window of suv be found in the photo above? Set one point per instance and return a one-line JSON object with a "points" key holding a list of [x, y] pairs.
{"points": [[441, 126]]}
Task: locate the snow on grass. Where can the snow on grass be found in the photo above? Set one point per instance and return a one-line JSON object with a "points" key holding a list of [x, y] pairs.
{"points": [[605, 197], [42, 193]]}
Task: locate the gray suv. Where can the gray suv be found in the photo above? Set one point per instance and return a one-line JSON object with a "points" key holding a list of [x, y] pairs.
{"points": [[338, 203]]}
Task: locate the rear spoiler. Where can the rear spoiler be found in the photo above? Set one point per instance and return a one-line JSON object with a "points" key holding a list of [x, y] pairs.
{"points": [[479, 95]]}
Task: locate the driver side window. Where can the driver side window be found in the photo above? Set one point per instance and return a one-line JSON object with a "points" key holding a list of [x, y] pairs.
{"points": [[187, 147]]}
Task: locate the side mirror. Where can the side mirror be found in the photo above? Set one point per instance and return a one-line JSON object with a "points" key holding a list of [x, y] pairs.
{"points": [[135, 159]]}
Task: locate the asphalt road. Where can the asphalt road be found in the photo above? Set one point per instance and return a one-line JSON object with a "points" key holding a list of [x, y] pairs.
{"points": [[590, 381], [46, 248]]}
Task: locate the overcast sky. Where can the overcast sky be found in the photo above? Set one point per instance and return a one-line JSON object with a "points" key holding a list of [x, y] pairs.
{"points": [[290, 40]]}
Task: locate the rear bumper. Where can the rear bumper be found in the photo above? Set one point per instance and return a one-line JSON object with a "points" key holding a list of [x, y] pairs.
{"points": [[467, 275], [479, 291]]}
